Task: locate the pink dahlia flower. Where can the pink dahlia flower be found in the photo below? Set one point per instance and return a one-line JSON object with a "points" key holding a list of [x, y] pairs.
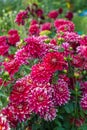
{"points": [[61, 93], [82, 51], [4, 125], [46, 26], [83, 41], [40, 100], [35, 47], [50, 115], [60, 23], [83, 102], [53, 14]]}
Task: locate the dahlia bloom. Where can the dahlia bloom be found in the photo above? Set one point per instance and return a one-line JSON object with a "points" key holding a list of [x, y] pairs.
{"points": [[40, 100], [53, 14], [71, 37], [3, 40], [82, 51], [77, 61], [3, 49], [83, 41], [4, 125], [46, 26], [22, 55], [39, 73], [54, 61], [65, 28], [60, 10], [39, 12], [61, 93], [21, 111], [20, 18], [83, 102], [12, 66], [35, 47], [13, 37], [33, 22], [34, 29], [7, 111], [69, 15], [50, 115], [20, 91], [61, 23]]}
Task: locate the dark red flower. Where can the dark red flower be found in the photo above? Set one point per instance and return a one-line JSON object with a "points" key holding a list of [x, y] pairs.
{"points": [[20, 18], [60, 10], [69, 15], [39, 12], [53, 14]]}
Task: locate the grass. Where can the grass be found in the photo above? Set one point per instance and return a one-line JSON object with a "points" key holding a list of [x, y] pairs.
{"points": [[80, 24]]}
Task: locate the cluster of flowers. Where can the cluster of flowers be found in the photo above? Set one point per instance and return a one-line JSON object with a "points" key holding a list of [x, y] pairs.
{"points": [[62, 63]]}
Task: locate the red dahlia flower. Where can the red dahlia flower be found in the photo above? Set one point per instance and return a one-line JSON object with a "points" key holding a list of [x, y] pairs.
{"points": [[54, 61], [12, 66], [34, 29], [13, 37], [20, 18], [39, 73]]}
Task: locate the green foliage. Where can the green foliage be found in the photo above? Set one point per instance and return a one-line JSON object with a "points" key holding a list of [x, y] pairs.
{"points": [[81, 24]]}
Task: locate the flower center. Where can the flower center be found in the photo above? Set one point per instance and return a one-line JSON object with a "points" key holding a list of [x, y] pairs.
{"points": [[61, 89], [40, 98], [54, 60]]}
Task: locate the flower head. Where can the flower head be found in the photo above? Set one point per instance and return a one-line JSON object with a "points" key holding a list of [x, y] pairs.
{"points": [[20, 18], [54, 61], [4, 125], [61, 93], [53, 14]]}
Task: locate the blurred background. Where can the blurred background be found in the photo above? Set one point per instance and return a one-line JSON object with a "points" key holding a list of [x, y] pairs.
{"points": [[9, 9]]}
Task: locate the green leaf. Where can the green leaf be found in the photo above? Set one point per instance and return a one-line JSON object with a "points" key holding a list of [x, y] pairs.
{"points": [[35, 126], [58, 128], [69, 107]]}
